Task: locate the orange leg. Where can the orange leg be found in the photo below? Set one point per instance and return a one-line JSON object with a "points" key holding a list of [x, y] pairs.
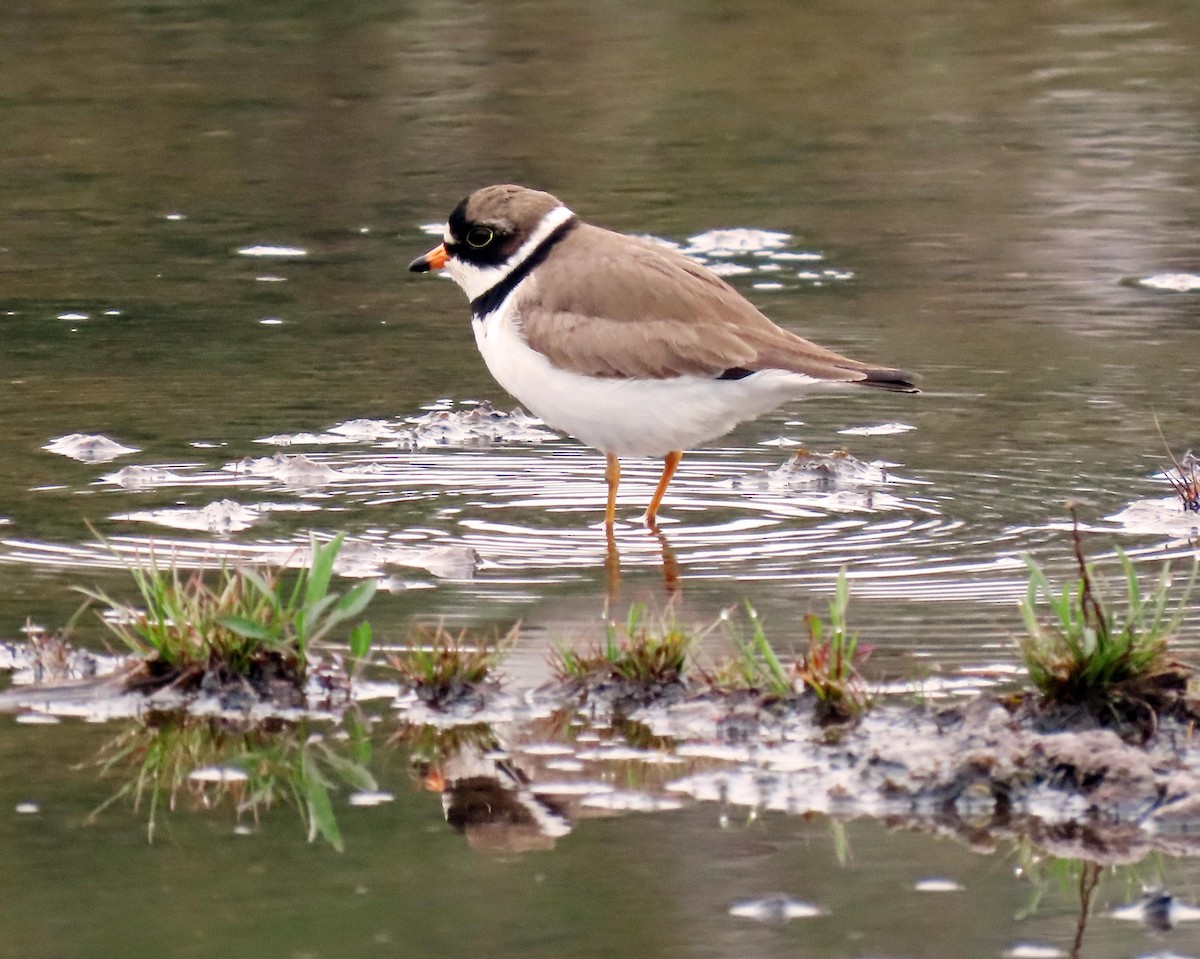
{"points": [[670, 464], [612, 475]]}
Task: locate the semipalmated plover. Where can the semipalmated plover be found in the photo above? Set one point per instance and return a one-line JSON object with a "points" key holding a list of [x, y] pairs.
{"points": [[627, 345]]}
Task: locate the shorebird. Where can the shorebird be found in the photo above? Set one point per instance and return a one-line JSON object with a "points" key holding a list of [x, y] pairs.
{"points": [[625, 344]]}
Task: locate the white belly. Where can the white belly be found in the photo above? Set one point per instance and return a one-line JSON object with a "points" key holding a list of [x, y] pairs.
{"points": [[628, 417]]}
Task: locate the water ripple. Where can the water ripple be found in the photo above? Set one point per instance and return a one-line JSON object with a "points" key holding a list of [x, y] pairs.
{"points": [[530, 512]]}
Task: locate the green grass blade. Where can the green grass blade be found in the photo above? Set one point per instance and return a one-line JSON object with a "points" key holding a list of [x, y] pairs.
{"points": [[315, 621], [776, 669], [247, 628], [320, 570], [355, 601], [636, 611], [841, 600], [1172, 625], [360, 641], [265, 588], [1133, 590]]}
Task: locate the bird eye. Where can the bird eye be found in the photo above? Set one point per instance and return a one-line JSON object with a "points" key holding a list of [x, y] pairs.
{"points": [[479, 237]]}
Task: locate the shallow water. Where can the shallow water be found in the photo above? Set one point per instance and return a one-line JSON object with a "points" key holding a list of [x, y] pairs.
{"points": [[563, 839], [210, 210]]}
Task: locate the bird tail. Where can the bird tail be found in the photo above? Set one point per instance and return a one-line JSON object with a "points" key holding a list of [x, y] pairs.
{"points": [[894, 381]]}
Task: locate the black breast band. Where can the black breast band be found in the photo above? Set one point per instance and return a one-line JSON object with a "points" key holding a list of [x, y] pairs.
{"points": [[490, 301]]}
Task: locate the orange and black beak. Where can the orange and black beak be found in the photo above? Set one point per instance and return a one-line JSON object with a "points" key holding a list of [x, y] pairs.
{"points": [[435, 259]]}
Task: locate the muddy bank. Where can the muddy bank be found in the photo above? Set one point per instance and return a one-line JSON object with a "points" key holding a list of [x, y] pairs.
{"points": [[979, 770], [974, 770]]}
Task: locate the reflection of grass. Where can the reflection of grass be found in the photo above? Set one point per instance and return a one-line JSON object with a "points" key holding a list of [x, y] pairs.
{"points": [[442, 666], [1045, 871], [634, 652], [1083, 877], [173, 758], [1112, 660], [239, 623], [640, 736], [827, 667]]}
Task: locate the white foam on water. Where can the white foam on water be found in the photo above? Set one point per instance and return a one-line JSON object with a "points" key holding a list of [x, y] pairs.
{"points": [[265, 249], [1172, 282]]}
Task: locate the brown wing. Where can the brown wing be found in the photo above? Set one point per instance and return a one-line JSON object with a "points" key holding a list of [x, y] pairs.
{"points": [[616, 306]]}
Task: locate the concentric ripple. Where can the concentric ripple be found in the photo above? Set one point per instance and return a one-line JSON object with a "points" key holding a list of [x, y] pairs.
{"points": [[511, 512]]}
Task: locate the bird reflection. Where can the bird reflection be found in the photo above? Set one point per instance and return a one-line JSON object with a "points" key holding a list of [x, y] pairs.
{"points": [[612, 564], [486, 797], [1158, 911]]}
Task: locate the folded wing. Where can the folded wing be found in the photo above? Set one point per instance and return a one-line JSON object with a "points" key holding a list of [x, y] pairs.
{"points": [[605, 312]]}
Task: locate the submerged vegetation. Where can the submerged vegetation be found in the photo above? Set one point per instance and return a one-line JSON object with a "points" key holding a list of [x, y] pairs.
{"points": [[1111, 659], [242, 622]]}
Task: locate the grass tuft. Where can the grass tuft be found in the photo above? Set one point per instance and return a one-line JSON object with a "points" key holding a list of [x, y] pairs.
{"points": [[634, 652], [1186, 480], [442, 666], [755, 665], [234, 622], [827, 667], [1111, 659]]}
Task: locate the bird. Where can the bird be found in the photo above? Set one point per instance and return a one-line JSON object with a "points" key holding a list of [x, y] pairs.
{"points": [[623, 343]]}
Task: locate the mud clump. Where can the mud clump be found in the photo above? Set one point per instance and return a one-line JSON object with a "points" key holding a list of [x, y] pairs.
{"points": [[270, 679], [623, 697]]}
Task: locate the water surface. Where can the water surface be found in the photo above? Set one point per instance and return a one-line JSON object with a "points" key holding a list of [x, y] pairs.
{"points": [[986, 185]]}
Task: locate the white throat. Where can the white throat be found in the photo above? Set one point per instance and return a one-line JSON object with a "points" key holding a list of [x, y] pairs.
{"points": [[477, 280]]}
